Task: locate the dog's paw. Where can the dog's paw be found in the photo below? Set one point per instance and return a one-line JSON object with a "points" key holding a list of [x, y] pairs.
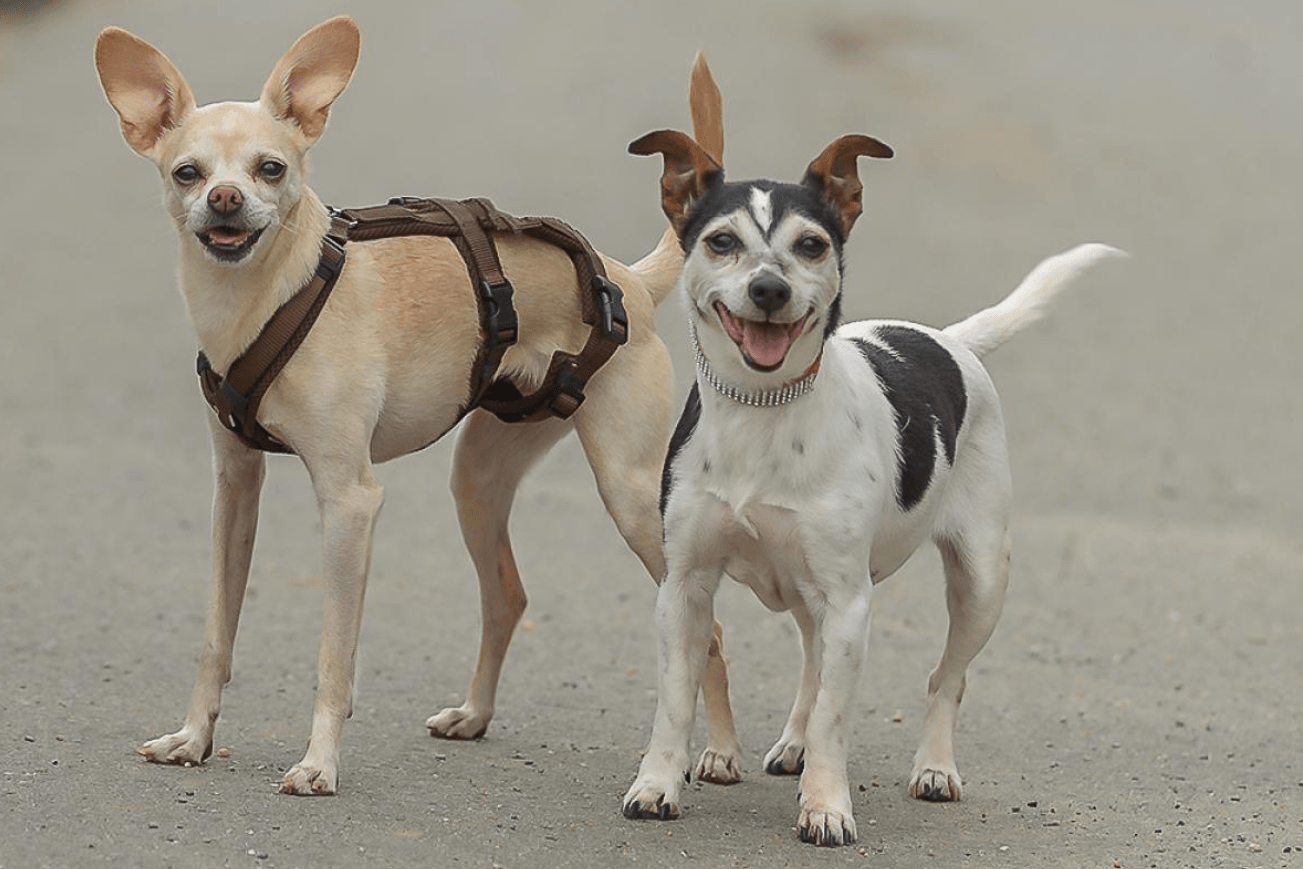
{"points": [[820, 825], [649, 800], [785, 758], [458, 722], [310, 780], [718, 767], [935, 785], [186, 747]]}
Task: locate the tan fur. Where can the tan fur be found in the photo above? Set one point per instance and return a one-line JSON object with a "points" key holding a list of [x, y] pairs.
{"points": [[383, 372]]}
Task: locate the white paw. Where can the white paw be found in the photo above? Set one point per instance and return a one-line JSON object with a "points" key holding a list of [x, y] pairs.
{"points": [[719, 767], [935, 783], [828, 827], [787, 757], [458, 722], [186, 747], [648, 799], [310, 780]]}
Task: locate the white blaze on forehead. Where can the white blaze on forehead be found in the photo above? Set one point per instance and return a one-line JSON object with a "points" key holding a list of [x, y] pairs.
{"points": [[761, 208]]}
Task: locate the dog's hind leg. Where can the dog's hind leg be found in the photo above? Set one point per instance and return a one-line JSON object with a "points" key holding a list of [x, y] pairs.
{"points": [[489, 460], [238, 474], [350, 500], [624, 426], [977, 574]]}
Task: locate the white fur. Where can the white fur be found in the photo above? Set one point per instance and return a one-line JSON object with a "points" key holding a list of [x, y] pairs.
{"points": [[799, 503], [761, 208]]}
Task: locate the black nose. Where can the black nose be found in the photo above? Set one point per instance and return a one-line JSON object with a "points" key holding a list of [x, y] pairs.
{"points": [[769, 292]]}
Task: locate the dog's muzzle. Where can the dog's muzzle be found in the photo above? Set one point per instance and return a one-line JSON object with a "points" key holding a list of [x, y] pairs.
{"points": [[764, 344]]}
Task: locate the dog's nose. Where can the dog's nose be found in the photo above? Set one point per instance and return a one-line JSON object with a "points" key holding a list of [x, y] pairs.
{"points": [[225, 200], [769, 292]]}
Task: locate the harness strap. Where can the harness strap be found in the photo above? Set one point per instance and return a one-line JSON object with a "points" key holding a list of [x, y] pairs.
{"points": [[237, 396], [469, 225]]}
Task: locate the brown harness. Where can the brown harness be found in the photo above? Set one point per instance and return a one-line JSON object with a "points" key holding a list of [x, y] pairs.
{"points": [[469, 225]]}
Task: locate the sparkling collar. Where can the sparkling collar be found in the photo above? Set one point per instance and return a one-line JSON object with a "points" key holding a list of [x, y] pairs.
{"points": [[788, 392]]}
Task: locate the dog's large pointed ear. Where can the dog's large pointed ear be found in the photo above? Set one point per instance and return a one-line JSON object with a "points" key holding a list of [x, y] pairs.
{"points": [[707, 108], [689, 170], [145, 88], [312, 74], [834, 174]]}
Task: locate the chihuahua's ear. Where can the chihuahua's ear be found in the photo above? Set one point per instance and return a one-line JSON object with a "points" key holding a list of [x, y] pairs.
{"points": [[834, 174], [689, 170], [312, 74], [143, 86]]}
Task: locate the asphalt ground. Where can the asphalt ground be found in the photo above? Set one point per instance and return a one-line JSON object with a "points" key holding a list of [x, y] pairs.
{"points": [[1140, 703]]}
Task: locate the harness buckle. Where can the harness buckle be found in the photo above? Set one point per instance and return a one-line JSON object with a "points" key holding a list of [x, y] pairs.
{"points": [[612, 319], [328, 268], [234, 400], [567, 393], [500, 324]]}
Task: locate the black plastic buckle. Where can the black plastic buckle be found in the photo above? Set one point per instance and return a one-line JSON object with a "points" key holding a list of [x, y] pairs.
{"points": [[237, 403], [500, 323], [404, 201], [328, 269], [567, 393], [610, 310]]}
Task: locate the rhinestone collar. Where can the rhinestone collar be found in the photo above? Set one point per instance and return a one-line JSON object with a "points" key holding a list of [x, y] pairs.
{"points": [[788, 392]]}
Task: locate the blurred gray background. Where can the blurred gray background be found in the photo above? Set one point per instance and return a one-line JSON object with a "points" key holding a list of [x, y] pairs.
{"points": [[1139, 704]]}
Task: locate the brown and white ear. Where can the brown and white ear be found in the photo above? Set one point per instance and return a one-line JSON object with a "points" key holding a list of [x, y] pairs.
{"points": [[145, 88], [689, 170], [312, 74], [834, 173]]}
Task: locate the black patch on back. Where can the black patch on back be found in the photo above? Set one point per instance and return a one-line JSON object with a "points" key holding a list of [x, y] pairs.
{"points": [[926, 390], [682, 434]]}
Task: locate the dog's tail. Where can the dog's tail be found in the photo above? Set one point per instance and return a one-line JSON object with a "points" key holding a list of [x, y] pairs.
{"points": [[660, 268], [986, 330]]}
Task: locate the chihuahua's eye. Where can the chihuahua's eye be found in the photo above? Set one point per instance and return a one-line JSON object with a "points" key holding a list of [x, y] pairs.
{"points": [[271, 169], [187, 173], [811, 247], [723, 242]]}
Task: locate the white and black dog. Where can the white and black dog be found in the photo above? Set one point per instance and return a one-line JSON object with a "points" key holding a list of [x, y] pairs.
{"points": [[811, 461]]}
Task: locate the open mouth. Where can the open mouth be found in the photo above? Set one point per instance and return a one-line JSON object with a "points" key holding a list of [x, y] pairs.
{"points": [[229, 243], [764, 345]]}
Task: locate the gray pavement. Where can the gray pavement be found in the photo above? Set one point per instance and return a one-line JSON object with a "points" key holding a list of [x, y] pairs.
{"points": [[1140, 704]]}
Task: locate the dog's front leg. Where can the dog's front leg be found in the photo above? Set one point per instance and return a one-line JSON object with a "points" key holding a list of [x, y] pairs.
{"points": [[685, 606], [842, 622], [350, 500], [238, 474], [787, 756]]}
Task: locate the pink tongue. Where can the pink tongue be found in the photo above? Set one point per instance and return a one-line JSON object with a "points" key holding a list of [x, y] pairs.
{"points": [[765, 343], [223, 237]]}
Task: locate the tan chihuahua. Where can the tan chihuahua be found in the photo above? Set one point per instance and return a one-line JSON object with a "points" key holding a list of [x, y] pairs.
{"points": [[384, 371]]}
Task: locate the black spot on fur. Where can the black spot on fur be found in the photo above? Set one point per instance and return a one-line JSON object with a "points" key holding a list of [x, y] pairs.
{"points": [[926, 390], [834, 316], [682, 434], [720, 197]]}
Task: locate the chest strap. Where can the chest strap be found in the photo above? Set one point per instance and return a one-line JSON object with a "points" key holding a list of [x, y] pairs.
{"points": [[469, 224]]}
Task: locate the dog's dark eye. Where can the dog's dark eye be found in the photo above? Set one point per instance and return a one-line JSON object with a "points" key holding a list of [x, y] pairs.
{"points": [[811, 247], [723, 242], [271, 169], [186, 173]]}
